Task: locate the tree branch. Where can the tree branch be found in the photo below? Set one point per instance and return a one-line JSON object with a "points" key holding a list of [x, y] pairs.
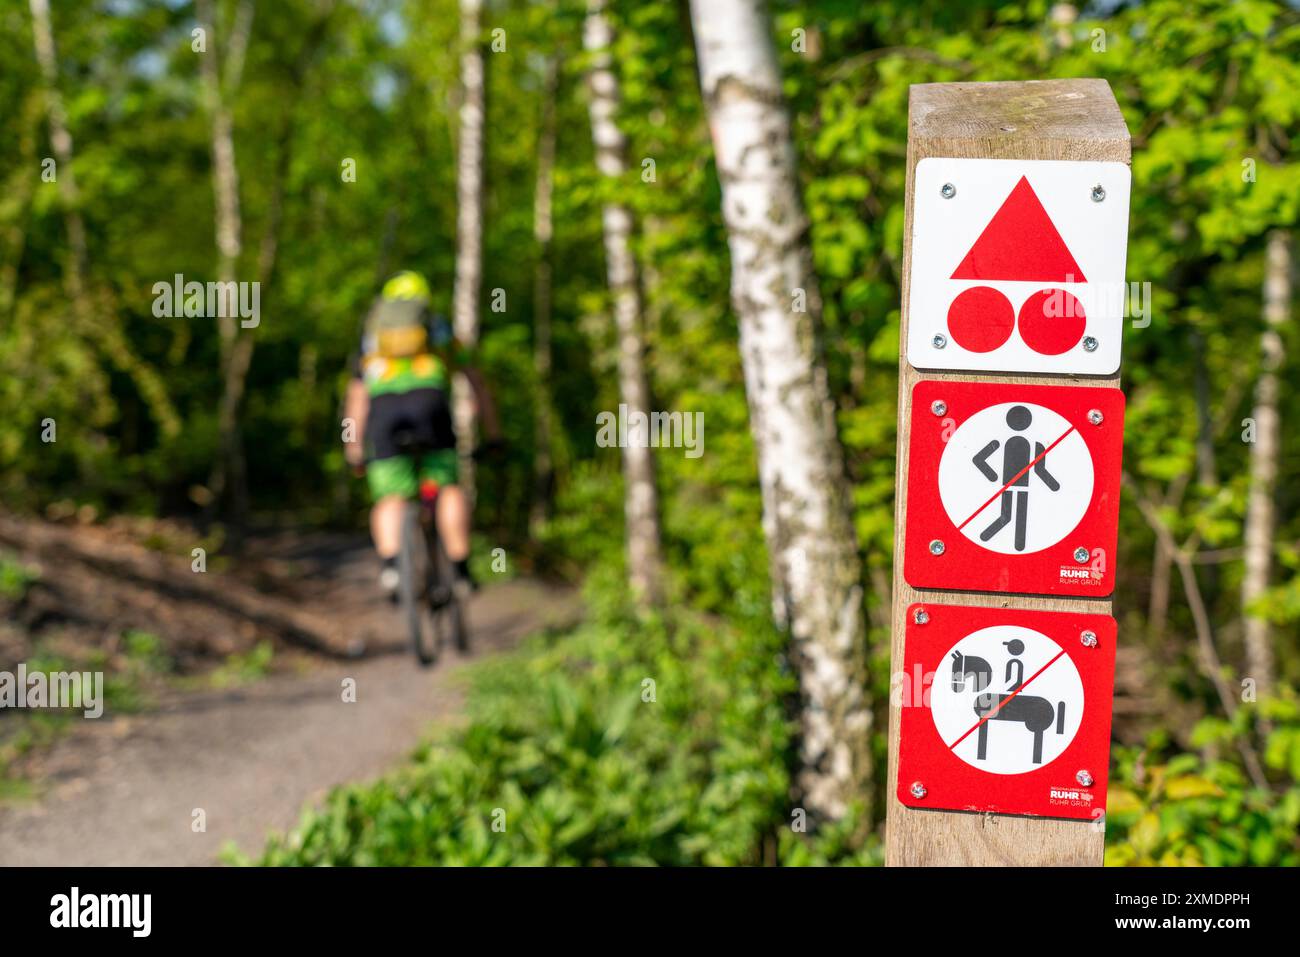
{"points": [[1210, 660]]}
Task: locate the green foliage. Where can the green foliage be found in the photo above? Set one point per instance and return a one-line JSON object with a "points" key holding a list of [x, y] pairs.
{"points": [[243, 667], [623, 742], [146, 650], [1201, 809], [15, 578]]}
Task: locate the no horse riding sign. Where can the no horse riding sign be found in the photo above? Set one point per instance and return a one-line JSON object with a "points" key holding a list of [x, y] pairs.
{"points": [[1006, 710]]}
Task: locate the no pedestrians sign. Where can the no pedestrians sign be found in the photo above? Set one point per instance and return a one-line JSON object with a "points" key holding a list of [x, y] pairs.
{"points": [[1013, 488]]}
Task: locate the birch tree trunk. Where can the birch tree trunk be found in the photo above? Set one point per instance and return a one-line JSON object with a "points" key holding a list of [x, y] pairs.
{"points": [[1263, 460], [236, 349], [61, 141], [816, 587], [228, 221], [543, 458], [640, 496], [469, 224]]}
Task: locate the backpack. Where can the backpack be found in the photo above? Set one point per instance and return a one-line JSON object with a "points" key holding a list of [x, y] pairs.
{"points": [[398, 328]]}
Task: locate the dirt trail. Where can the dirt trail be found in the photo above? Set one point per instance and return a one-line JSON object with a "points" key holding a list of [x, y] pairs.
{"points": [[123, 790]]}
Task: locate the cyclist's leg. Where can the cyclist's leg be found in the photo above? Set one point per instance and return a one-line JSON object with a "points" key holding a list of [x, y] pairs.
{"points": [[386, 524], [390, 474], [452, 515], [453, 522], [392, 483]]}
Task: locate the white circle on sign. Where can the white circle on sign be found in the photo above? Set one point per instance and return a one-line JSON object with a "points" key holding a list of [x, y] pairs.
{"points": [[1016, 478], [979, 676]]}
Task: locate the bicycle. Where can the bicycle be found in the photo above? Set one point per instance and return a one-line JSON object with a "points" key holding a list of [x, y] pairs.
{"points": [[426, 593]]}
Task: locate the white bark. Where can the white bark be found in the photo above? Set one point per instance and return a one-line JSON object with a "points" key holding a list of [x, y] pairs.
{"points": [[640, 497], [469, 177], [225, 172], [816, 587], [1260, 517], [543, 459], [236, 348], [61, 140], [469, 223]]}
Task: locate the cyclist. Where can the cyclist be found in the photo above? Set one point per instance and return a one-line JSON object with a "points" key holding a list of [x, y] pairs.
{"points": [[400, 387]]}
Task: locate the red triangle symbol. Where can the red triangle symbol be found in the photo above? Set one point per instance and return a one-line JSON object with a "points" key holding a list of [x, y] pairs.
{"points": [[1020, 243]]}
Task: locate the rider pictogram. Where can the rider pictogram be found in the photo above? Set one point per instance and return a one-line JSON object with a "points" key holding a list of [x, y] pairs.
{"points": [[1007, 699], [1037, 714]]}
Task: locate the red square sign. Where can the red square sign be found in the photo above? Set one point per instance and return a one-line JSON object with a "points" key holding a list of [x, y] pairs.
{"points": [[1006, 710], [1013, 488]]}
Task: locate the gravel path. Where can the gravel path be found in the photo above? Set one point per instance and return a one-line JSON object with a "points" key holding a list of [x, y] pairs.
{"points": [[124, 790]]}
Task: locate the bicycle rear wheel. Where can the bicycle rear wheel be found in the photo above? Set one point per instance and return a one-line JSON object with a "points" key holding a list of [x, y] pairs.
{"points": [[414, 590]]}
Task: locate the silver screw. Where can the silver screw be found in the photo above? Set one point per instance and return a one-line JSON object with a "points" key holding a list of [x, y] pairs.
{"points": [[939, 407], [948, 191], [1088, 639], [1095, 416], [1098, 194], [918, 790], [936, 547], [1090, 344], [921, 616], [939, 340], [1081, 555], [1084, 778]]}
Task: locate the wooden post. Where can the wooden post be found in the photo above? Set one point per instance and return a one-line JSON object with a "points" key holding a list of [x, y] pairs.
{"points": [[1034, 120]]}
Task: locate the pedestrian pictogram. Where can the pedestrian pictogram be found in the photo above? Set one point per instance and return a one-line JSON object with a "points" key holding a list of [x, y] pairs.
{"points": [[1018, 266], [1022, 461], [1006, 710], [1013, 488]]}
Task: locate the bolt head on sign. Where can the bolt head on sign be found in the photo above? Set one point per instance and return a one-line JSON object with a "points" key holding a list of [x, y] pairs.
{"points": [[1002, 707], [1021, 269], [1017, 482]]}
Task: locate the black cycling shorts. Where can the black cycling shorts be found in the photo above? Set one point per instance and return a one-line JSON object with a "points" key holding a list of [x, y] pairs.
{"points": [[419, 419]]}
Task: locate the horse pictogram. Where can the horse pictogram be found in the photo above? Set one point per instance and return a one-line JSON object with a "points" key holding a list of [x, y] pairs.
{"points": [[1036, 714]]}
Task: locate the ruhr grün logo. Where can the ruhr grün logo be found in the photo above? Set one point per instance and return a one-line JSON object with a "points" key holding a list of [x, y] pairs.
{"points": [[1016, 719], [1013, 488]]}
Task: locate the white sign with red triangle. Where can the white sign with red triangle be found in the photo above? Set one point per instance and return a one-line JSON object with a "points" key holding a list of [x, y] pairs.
{"points": [[1018, 265]]}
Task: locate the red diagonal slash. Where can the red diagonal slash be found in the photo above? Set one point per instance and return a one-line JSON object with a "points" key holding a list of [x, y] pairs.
{"points": [[1003, 703], [1016, 478]]}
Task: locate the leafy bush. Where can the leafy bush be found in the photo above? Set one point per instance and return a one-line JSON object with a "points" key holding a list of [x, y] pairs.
{"points": [[244, 667], [1197, 810], [622, 742], [15, 578]]}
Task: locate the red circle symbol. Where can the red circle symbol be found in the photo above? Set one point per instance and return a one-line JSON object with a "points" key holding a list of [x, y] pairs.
{"points": [[981, 319], [1052, 321]]}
